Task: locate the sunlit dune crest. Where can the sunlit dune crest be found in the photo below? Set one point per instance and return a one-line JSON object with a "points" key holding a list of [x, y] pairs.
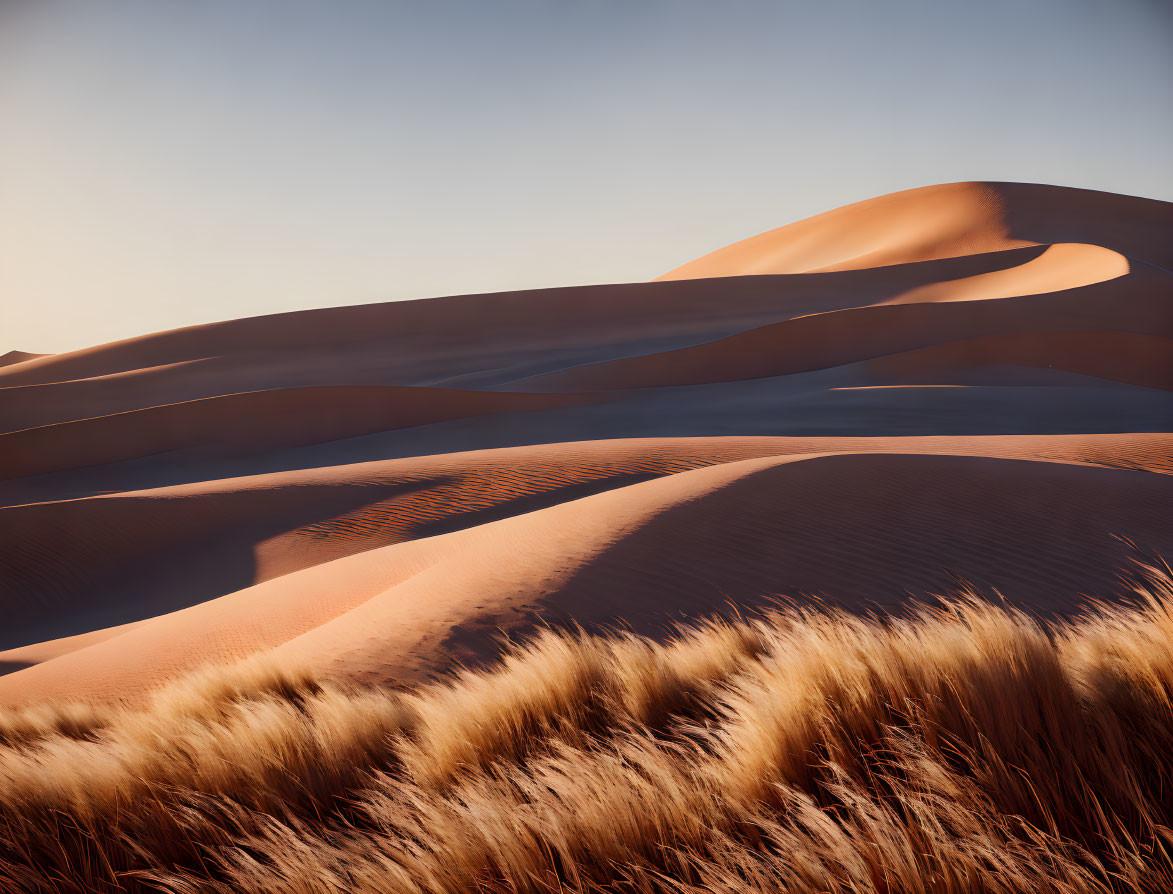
{"points": [[944, 221]]}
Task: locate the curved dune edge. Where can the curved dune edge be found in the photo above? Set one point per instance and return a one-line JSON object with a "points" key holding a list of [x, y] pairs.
{"points": [[1137, 302], [38, 653], [85, 558], [917, 225], [862, 527], [941, 221], [1065, 265]]}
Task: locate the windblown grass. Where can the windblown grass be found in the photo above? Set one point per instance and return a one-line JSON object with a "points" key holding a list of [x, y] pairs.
{"points": [[962, 748]]}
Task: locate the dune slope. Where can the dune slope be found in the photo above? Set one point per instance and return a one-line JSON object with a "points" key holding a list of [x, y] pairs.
{"points": [[829, 525], [945, 221]]}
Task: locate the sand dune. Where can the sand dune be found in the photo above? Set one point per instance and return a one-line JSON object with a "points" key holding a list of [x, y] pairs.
{"points": [[466, 342], [379, 490], [1066, 265], [677, 546], [471, 337], [945, 221], [1138, 303], [14, 357], [81, 564]]}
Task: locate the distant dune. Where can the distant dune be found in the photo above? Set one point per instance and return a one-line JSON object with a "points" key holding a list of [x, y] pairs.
{"points": [[946, 221], [13, 357], [965, 382]]}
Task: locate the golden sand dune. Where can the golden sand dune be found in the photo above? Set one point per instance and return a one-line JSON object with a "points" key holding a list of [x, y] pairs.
{"points": [[477, 339], [946, 221], [14, 357], [75, 564], [686, 544], [973, 380]]}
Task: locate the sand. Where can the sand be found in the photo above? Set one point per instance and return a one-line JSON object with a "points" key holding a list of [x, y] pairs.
{"points": [[961, 382], [945, 221], [14, 357], [1136, 304]]}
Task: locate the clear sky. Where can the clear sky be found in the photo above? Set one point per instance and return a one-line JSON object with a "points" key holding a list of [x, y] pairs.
{"points": [[164, 163]]}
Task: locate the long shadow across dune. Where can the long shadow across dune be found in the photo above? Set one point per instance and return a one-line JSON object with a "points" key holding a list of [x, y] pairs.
{"points": [[862, 531]]}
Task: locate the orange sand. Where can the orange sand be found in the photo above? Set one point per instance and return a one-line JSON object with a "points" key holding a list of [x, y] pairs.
{"points": [[160, 507]]}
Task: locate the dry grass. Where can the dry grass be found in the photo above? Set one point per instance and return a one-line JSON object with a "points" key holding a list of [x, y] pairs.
{"points": [[961, 749]]}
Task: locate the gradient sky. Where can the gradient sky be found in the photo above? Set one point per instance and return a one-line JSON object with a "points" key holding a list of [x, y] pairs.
{"points": [[164, 163]]}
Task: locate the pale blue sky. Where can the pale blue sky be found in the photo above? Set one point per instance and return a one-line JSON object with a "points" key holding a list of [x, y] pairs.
{"points": [[166, 163]]}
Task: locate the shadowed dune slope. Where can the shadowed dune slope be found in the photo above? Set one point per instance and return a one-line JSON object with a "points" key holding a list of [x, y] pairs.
{"points": [[253, 421], [1144, 360], [14, 357]]}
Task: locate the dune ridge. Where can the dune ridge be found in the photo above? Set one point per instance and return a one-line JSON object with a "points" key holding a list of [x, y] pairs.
{"points": [[1137, 304], [14, 357], [944, 221]]}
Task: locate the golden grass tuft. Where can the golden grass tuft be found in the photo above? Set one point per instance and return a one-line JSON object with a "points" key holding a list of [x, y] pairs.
{"points": [[963, 748]]}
